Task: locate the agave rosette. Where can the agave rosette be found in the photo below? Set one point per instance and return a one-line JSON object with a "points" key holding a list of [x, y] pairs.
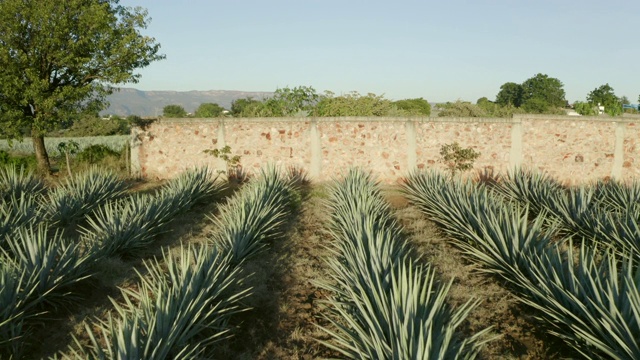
{"points": [[384, 305]]}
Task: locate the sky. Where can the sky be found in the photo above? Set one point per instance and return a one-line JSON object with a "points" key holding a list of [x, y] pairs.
{"points": [[438, 50]]}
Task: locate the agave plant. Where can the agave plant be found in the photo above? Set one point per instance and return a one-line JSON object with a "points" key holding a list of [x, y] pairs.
{"points": [[498, 235], [183, 307], [38, 269], [530, 188], [129, 225], [50, 264], [16, 212], [615, 195], [12, 310], [254, 215], [14, 182], [592, 304], [191, 187], [176, 313], [384, 306], [81, 194], [590, 300]]}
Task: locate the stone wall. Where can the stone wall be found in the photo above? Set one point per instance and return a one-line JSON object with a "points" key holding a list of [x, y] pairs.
{"points": [[572, 149]]}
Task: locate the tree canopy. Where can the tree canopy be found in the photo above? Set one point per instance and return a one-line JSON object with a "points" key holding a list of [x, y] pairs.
{"points": [[209, 110], [290, 102], [510, 94], [538, 94], [605, 95], [414, 107], [244, 107], [543, 89], [61, 58], [602, 95], [352, 104], [305, 101], [174, 111]]}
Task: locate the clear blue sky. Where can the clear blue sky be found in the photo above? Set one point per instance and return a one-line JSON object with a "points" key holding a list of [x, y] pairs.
{"points": [[438, 50]]}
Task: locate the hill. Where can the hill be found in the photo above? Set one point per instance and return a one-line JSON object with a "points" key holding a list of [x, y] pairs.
{"points": [[128, 101]]}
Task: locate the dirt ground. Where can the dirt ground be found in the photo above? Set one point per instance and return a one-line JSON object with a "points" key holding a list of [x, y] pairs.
{"points": [[286, 306]]}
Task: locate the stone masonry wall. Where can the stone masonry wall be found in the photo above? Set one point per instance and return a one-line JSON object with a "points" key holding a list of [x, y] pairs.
{"points": [[571, 149]]}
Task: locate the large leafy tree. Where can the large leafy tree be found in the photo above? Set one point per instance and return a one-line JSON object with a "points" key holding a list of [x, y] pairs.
{"points": [[542, 90], [415, 107], [605, 95], [510, 94], [292, 102], [209, 110], [245, 107], [460, 109], [352, 104], [174, 111], [602, 95], [61, 58]]}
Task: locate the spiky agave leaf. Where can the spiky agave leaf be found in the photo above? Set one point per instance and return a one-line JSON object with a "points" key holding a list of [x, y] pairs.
{"points": [[131, 224], [16, 212], [16, 181], [615, 195], [127, 226], [531, 188], [12, 310], [254, 214], [592, 303], [177, 312], [80, 194], [50, 265], [193, 186], [384, 306]]}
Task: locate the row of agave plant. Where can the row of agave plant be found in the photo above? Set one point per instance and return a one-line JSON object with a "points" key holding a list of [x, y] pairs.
{"points": [[587, 295], [385, 304], [183, 304], [608, 211], [40, 267], [26, 199]]}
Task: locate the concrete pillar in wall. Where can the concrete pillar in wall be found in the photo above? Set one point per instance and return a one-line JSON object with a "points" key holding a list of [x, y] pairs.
{"points": [[412, 152], [515, 157], [315, 168], [618, 152]]}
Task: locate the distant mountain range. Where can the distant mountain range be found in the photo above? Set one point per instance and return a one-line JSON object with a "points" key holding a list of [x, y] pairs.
{"points": [[130, 101]]}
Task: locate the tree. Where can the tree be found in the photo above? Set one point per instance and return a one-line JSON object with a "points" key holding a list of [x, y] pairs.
{"points": [[458, 159], [352, 104], [585, 108], [604, 95], [460, 109], [415, 107], [174, 111], [493, 109], [510, 94], [60, 58], [242, 107], [209, 110], [625, 100], [291, 102], [542, 92]]}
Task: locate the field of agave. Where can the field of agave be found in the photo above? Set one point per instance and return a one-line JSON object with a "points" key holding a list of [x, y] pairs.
{"points": [[568, 254]]}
